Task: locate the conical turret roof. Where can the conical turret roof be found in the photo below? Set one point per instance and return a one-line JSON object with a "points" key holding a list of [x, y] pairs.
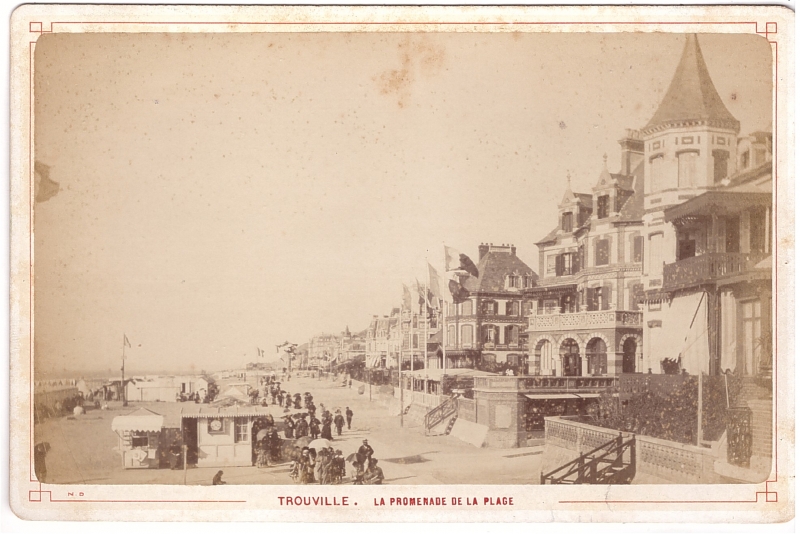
{"points": [[691, 95]]}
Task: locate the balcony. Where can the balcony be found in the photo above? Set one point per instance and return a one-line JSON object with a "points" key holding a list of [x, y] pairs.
{"points": [[585, 320], [709, 268]]}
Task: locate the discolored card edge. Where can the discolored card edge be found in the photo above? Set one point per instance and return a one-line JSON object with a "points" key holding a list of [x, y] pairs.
{"points": [[771, 501]]}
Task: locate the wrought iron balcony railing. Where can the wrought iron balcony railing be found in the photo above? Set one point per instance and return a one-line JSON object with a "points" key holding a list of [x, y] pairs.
{"points": [[708, 268]]}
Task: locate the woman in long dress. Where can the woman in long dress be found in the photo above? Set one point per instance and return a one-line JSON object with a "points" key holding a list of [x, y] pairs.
{"points": [[326, 430], [262, 454], [289, 428]]}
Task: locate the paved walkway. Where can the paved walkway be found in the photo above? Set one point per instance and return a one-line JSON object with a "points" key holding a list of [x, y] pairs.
{"points": [[83, 449]]}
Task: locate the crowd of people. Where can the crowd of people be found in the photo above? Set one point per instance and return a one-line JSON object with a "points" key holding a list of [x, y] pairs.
{"points": [[329, 466], [317, 465]]}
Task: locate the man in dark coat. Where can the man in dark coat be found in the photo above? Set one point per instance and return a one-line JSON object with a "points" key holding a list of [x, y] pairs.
{"points": [[338, 422], [218, 479], [349, 414], [364, 453], [313, 427]]}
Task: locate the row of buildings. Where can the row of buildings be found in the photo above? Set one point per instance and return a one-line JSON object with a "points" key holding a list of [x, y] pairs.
{"points": [[664, 267]]}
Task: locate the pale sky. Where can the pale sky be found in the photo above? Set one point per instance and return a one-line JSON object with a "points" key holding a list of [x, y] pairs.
{"points": [[222, 192]]}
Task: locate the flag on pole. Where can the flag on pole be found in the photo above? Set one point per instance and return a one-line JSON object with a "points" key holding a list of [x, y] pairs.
{"points": [[458, 292], [423, 298], [406, 298], [434, 285], [125, 341], [456, 261]]}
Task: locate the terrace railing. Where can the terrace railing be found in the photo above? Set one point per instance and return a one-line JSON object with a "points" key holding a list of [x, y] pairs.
{"points": [[447, 409], [605, 464], [584, 320], [707, 268]]}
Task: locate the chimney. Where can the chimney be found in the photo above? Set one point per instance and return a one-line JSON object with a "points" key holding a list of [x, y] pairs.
{"points": [[513, 250], [483, 249], [632, 151]]}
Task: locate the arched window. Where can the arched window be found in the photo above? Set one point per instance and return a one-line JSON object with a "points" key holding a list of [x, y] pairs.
{"points": [[629, 356], [466, 335], [597, 357], [570, 357]]}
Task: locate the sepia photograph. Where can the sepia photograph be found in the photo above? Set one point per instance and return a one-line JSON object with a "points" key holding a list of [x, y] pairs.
{"points": [[272, 257]]}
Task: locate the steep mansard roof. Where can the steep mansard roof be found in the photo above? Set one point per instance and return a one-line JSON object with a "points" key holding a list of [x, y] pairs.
{"points": [[493, 269]]}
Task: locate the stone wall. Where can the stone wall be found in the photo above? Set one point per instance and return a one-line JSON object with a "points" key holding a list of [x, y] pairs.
{"points": [[502, 413], [467, 410]]}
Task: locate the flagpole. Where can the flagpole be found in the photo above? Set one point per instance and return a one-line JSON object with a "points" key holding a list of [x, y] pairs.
{"points": [[427, 319], [124, 393], [400, 359], [445, 305]]}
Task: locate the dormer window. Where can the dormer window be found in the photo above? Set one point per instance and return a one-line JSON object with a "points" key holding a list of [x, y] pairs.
{"points": [[566, 222], [602, 207], [513, 281]]}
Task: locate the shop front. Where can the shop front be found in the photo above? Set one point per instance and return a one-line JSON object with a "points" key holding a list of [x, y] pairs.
{"points": [[219, 437], [140, 438]]}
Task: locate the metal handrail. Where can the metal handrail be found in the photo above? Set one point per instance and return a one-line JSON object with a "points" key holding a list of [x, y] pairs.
{"points": [[440, 413], [580, 465]]}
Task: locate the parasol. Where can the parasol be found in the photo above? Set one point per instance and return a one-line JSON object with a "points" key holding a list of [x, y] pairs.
{"points": [[261, 434], [320, 443], [351, 458]]}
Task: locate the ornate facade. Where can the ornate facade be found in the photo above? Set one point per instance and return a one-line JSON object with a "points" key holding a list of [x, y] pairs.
{"points": [[584, 317], [708, 232]]}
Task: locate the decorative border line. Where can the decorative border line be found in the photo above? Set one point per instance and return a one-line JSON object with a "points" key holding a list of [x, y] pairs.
{"points": [[36, 496], [770, 28]]}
